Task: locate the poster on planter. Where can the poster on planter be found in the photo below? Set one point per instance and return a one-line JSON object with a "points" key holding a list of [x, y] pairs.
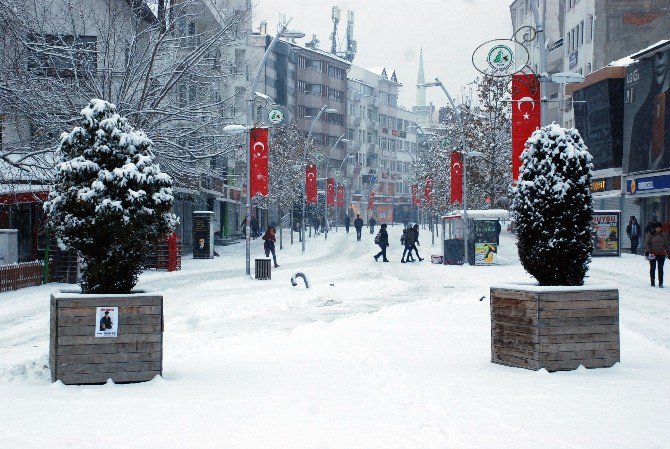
{"points": [[106, 321], [606, 233], [486, 253]]}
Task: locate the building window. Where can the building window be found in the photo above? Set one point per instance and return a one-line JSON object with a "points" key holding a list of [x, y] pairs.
{"points": [[301, 87], [62, 55], [302, 62]]}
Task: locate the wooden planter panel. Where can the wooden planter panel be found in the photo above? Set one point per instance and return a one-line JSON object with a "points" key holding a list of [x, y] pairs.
{"points": [[76, 356], [555, 330]]}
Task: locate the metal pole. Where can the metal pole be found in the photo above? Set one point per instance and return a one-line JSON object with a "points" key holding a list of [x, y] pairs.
{"points": [[466, 256], [250, 123], [304, 163], [539, 26]]}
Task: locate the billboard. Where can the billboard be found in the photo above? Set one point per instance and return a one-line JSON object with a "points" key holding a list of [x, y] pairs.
{"points": [[599, 119], [606, 233], [647, 113]]}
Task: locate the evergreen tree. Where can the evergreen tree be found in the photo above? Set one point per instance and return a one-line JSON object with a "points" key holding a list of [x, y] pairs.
{"points": [[110, 200], [552, 207]]}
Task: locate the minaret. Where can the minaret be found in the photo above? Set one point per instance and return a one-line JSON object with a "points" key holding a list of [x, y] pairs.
{"points": [[420, 79]]}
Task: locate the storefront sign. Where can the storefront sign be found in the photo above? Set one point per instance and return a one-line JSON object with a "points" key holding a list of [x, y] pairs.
{"points": [[647, 184], [598, 185], [606, 232]]}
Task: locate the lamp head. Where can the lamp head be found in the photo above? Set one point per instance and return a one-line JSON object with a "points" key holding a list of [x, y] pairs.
{"points": [[431, 84]]}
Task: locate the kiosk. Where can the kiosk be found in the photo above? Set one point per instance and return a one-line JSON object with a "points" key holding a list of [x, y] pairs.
{"points": [[483, 229]]}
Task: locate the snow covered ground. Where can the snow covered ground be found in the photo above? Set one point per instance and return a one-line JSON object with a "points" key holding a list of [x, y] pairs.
{"points": [[374, 355]]}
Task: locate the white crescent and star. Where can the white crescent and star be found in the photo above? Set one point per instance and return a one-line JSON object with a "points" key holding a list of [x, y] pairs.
{"points": [[526, 116]]}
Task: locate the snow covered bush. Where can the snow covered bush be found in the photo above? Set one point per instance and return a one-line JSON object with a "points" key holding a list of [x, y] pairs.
{"points": [[552, 207], [110, 200]]}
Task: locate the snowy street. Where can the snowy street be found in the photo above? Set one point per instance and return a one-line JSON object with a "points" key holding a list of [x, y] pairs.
{"points": [[373, 355]]}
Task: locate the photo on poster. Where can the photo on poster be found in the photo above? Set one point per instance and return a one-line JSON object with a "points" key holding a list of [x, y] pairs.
{"points": [[107, 321]]}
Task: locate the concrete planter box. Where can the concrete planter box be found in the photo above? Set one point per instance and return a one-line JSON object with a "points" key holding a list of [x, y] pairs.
{"points": [[556, 328], [133, 354]]}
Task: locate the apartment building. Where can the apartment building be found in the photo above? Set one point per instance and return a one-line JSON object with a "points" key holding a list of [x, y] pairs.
{"points": [[382, 138]]}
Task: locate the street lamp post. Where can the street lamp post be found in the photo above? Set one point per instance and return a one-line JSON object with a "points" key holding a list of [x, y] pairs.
{"points": [[464, 151], [337, 208], [304, 163], [250, 123], [325, 197]]}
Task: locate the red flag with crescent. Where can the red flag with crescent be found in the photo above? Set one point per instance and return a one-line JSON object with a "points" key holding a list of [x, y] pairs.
{"points": [[525, 115], [330, 192], [415, 200], [340, 196], [310, 184], [456, 195], [258, 165], [371, 201], [428, 191]]}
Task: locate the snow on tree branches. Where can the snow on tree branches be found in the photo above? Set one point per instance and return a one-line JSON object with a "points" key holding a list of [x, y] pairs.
{"points": [[552, 207], [110, 200]]}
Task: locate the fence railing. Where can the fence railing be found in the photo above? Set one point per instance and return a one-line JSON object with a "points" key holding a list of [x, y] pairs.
{"points": [[20, 275]]}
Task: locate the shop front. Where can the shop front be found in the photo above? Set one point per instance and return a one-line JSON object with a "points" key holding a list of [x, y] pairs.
{"points": [[652, 195]]}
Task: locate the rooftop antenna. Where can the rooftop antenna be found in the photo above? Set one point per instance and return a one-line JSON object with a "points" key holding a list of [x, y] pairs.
{"points": [[351, 43], [335, 15]]}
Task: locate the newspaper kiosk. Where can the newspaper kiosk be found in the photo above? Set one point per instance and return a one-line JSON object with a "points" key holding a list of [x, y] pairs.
{"points": [[483, 229]]}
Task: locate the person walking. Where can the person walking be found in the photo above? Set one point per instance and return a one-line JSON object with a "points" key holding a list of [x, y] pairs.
{"points": [[382, 239], [415, 232], [358, 224], [270, 238], [407, 240], [254, 226], [633, 231], [372, 222], [655, 250], [347, 222]]}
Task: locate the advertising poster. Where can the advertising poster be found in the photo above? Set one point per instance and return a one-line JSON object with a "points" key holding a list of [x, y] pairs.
{"points": [[606, 232], [106, 321], [647, 111], [485, 253]]}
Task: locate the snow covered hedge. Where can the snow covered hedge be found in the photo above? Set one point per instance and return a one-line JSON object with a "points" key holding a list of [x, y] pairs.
{"points": [[552, 207], [110, 200]]}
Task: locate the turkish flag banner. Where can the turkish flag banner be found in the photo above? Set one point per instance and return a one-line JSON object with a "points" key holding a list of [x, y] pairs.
{"points": [[340, 196], [371, 201], [310, 184], [456, 178], [330, 192], [415, 200], [428, 191], [258, 165], [525, 115]]}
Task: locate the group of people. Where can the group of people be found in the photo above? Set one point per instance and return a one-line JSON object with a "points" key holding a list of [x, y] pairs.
{"points": [[656, 246], [409, 240]]}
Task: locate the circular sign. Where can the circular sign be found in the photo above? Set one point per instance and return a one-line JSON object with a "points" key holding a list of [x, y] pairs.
{"points": [[445, 142], [500, 57], [345, 182], [337, 173], [318, 157], [276, 116]]}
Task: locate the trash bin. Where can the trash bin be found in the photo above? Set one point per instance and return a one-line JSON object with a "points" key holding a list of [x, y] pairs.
{"points": [[453, 252], [263, 269]]}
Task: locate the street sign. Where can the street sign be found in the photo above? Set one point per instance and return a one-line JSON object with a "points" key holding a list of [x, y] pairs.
{"points": [[497, 57], [345, 182], [337, 173], [275, 116]]}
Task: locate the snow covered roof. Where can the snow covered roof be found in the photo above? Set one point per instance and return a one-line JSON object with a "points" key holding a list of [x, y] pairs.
{"points": [[492, 214], [654, 48]]}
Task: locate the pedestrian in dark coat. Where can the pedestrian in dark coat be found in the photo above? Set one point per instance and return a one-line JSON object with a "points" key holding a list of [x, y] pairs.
{"points": [[270, 238], [407, 240], [347, 222], [633, 232], [254, 227], [358, 224], [655, 249], [415, 232], [383, 242], [372, 222]]}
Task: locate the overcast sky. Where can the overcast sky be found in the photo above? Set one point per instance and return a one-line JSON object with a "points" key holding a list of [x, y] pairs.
{"points": [[391, 33]]}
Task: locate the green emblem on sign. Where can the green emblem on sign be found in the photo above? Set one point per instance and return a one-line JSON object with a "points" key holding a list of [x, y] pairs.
{"points": [[500, 57], [275, 116]]}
